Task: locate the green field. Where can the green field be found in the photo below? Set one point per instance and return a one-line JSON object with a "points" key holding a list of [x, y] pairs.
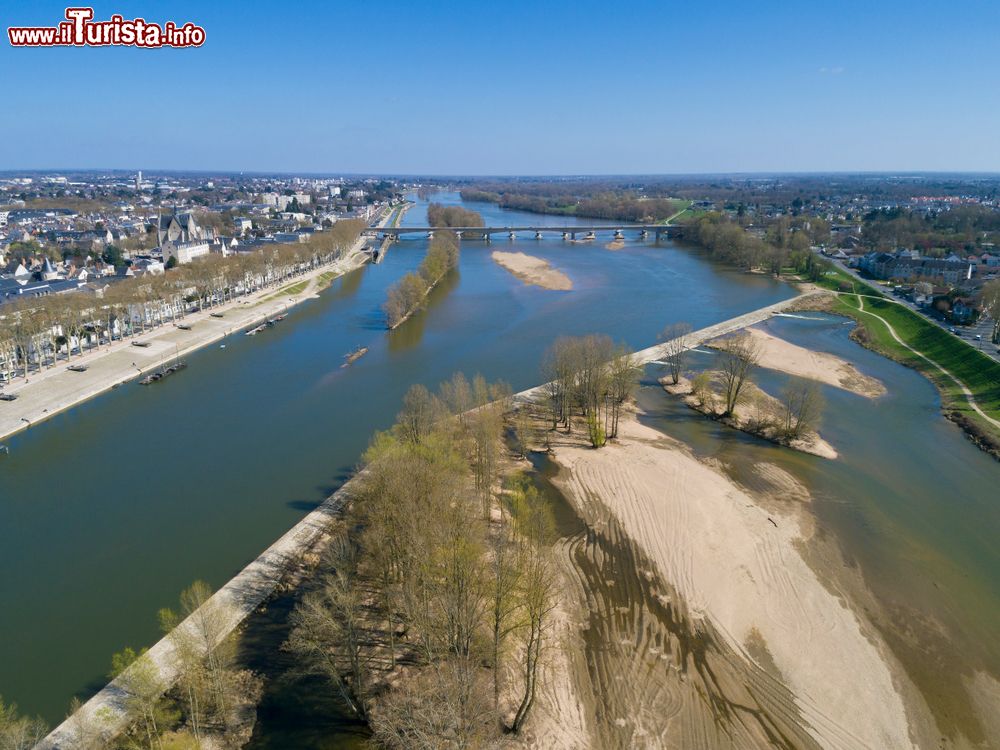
{"points": [[979, 373]]}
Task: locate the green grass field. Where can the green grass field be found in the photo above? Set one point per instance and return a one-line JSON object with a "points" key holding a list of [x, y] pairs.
{"points": [[979, 373]]}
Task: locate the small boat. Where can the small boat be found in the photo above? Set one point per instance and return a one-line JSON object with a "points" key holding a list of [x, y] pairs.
{"points": [[184, 326], [161, 374], [77, 368], [281, 317], [8, 396], [354, 356], [222, 346], [216, 315], [143, 344], [258, 329]]}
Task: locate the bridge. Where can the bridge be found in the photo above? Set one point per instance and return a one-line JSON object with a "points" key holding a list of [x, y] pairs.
{"points": [[642, 231]]}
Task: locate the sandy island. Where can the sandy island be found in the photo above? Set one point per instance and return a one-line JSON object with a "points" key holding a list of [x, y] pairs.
{"points": [[532, 270], [756, 405], [736, 565], [781, 355]]}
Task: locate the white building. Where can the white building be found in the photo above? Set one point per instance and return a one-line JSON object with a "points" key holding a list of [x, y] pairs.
{"points": [[185, 252]]}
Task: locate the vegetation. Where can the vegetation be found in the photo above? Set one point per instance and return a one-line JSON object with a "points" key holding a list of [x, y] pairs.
{"points": [[675, 348], [409, 293], [35, 333], [961, 229], [612, 205], [19, 732], [592, 378], [439, 580], [452, 216]]}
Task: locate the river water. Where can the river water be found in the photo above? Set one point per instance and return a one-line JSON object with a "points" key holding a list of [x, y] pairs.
{"points": [[109, 510]]}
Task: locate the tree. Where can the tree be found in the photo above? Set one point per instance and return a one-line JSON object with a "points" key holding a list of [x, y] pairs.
{"points": [[740, 354], [538, 592], [990, 302], [675, 348], [802, 404], [19, 732], [327, 629], [140, 679]]}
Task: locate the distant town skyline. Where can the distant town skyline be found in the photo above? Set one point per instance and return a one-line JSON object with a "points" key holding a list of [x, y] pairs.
{"points": [[569, 89]]}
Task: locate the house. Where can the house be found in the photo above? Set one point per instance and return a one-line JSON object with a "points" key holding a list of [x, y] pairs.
{"points": [[242, 224]]}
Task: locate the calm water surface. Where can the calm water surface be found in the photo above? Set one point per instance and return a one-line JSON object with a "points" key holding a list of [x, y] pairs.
{"points": [[109, 510]]}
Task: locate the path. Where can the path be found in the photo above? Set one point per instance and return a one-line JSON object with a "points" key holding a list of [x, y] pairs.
{"points": [[892, 331]]}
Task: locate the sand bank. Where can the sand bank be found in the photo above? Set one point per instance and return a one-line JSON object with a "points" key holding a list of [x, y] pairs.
{"points": [[755, 409], [778, 354], [737, 567], [532, 270]]}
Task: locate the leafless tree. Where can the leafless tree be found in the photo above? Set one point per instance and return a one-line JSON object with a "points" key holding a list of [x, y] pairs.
{"points": [[740, 354], [675, 348], [802, 404]]}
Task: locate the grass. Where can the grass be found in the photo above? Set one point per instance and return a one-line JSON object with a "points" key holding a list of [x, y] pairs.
{"points": [[287, 291], [979, 373]]}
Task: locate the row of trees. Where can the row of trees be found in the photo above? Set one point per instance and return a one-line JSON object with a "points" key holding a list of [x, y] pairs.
{"points": [[438, 581], [590, 377], [35, 333], [407, 295], [610, 205], [439, 215]]}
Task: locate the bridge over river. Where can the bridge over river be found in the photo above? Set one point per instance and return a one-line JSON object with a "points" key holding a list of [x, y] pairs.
{"points": [[642, 231]]}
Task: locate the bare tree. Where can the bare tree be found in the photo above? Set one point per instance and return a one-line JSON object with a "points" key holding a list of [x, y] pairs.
{"points": [[19, 732], [675, 348], [802, 404], [327, 630], [739, 358]]}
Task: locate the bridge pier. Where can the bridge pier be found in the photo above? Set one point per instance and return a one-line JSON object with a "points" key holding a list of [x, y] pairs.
{"points": [[643, 234], [459, 235], [430, 235], [619, 234], [659, 233], [512, 236], [565, 235], [590, 236]]}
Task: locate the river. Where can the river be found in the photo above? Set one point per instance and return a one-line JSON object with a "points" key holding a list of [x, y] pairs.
{"points": [[109, 510]]}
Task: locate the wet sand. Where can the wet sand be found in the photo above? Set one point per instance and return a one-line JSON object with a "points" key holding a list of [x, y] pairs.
{"points": [[767, 628], [778, 354], [532, 270]]}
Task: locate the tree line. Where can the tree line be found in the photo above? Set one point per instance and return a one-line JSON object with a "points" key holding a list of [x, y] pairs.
{"points": [[786, 246], [431, 614], [439, 215], [35, 333], [613, 206], [408, 294]]}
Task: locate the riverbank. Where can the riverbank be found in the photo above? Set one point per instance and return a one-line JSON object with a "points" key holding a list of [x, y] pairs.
{"points": [[778, 354], [45, 394], [759, 415], [532, 270], [737, 566], [966, 379]]}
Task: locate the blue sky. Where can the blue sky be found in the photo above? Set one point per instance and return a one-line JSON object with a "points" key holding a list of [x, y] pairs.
{"points": [[516, 88]]}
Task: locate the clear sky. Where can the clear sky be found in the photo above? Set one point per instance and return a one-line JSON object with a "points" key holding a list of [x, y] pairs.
{"points": [[515, 87]]}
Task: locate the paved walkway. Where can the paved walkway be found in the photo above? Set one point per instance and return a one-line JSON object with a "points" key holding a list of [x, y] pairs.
{"points": [[968, 394]]}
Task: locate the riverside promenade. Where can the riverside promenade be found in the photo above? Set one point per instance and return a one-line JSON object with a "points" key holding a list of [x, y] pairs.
{"points": [[44, 394], [107, 712]]}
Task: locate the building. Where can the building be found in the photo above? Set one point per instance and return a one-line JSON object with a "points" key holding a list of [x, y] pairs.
{"points": [[185, 252], [178, 228]]}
